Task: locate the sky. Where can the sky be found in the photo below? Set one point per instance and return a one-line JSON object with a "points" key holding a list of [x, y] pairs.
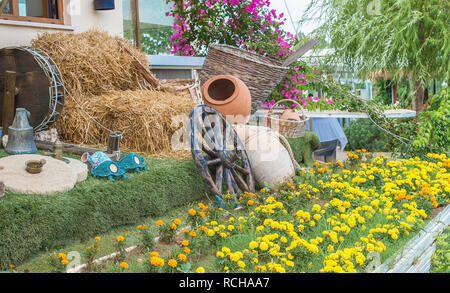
{"points": [[296, 8]]}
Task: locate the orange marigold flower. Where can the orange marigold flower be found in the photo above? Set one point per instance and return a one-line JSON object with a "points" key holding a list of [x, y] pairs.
{"points": [[172, 263]]}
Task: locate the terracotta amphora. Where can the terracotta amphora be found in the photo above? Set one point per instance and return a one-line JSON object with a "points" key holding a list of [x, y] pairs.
{"points": [[230, 96], [290, 114]]}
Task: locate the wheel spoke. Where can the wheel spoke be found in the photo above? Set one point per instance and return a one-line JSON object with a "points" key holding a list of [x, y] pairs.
{"points": [[209, 152], [219, 178], [241, 170], [228, 180], [240, 181], [214, 162]]}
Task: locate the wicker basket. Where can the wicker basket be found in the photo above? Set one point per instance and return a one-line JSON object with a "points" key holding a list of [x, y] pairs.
{"points": [[287, 128], [261, 74]]}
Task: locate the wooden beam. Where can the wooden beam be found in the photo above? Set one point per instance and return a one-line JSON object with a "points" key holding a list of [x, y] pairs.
{"points": [[8, 101], [67, 148]]}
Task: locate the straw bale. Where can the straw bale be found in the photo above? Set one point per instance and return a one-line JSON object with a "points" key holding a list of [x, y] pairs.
{"points": [[100, 73], [93, 62], [144, 117]]}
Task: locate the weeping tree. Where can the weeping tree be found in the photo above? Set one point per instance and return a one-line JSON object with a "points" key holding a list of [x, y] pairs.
{"points": [[400, 38]]}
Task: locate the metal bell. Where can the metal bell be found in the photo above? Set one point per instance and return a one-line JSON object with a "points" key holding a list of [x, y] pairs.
{"points": [[20, 135]]}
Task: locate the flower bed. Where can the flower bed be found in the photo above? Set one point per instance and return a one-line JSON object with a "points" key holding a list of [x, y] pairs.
{"points": [[332, 218]]}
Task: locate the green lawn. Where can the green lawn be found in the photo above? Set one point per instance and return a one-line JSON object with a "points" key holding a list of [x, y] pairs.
{"points": [[31, 224]]}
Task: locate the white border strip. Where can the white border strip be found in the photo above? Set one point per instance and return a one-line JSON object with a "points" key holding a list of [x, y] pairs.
{"points": [[415, 257]]}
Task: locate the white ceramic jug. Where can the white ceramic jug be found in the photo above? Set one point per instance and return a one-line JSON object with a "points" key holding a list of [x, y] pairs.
{"points": [[271, 162]]}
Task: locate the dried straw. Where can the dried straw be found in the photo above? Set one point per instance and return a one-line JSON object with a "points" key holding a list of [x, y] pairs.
{"points": [[99, 73], [92, 62], [144, 117]]}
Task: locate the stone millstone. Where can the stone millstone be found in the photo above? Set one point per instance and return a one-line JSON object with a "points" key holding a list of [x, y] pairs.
{"points": [[80, 168], [56, 176]]}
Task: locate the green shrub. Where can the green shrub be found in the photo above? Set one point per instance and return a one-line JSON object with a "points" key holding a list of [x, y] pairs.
{"points": [[303, 147], [363, 134], [440, 259], [33, 223]]}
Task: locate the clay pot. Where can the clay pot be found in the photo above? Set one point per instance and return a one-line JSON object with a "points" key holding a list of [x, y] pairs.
{"points": [[230, 96], [290, 114], [271, 163], [35, 166]]}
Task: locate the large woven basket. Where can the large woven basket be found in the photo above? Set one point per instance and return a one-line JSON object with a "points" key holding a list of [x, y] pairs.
{"points": [[287, 128], [261, 74]]}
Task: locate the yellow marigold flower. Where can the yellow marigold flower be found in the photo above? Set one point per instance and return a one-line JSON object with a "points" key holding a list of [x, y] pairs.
{"points": [[185, 243], [154, 253], [200, 270], [330, 248], [250, 202], [62, 255], [220, 254], [172, 263], [186, 249], [182, 257], [157, 261], [177, 222], [97, 238], [192, 234], [192, 212], [124, 265], [159, 223], [241, 264], [173, 226], [253, 245], [263, 246]]}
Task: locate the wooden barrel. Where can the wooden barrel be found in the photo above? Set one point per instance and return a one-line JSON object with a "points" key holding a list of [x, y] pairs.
{"points": [[39, 87]]}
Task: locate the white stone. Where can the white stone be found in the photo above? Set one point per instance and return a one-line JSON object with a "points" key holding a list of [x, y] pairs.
{"points": [[56, 175], [80, 168]]}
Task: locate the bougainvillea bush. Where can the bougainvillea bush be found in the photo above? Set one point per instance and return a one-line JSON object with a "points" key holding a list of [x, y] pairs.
{"points": [[339, 217], [249, 24]]}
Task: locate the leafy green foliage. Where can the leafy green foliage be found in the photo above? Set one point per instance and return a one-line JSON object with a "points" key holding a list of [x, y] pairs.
{"points": [[440, 259], [406, 39], [434, 124], [401, 37], [363, 134]]}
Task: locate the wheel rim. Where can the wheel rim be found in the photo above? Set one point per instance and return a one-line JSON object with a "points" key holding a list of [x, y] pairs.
{"points": [[218, 152]]}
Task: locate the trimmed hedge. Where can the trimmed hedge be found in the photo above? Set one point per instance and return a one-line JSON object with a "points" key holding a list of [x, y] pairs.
{"points": [[303, 148], [33, 223]]}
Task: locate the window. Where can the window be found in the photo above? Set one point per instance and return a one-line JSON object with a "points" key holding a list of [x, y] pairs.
{"points": [[145, 23], [47, 11]]}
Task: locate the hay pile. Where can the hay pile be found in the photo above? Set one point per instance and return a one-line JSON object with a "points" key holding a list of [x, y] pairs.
{"points": [[144, 117], [92, 62], [100, 75]]}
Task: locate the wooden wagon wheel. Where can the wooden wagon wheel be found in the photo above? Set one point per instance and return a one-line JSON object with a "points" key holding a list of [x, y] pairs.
{"points": [[218, 153], [38, 82]]}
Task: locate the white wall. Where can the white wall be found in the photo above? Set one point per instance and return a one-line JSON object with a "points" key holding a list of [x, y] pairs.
{"points": [[79, 16]]}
